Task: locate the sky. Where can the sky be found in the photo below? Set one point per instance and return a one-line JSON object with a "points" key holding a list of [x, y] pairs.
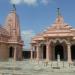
{"points": [[36, 15]]}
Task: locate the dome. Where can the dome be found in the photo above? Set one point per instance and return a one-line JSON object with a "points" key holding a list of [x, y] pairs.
{"points": [[3, 31]]}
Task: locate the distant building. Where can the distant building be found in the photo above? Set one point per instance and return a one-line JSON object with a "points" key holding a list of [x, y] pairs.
{"points": [[10, 38], [57, 39], [26, 54]]}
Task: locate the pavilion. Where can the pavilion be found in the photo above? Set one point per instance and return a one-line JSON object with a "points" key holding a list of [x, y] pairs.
{"points": [[57, 39], [11, 44]]}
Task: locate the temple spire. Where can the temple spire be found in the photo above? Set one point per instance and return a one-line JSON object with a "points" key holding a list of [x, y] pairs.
{"points": [[58, 12], [59, 19], [14, 7]]}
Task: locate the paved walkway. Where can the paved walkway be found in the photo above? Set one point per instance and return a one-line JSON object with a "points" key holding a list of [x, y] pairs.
{"points": [[28, 67]]}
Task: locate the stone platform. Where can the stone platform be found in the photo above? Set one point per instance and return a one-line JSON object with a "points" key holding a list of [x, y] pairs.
{"points": [[28, 67]]}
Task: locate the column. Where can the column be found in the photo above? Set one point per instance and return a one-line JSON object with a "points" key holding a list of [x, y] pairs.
{"points": [[65, 52], [37, 52], [42, 52], [15, 52], [50, 52], [69, 52], [31, 52], [53, 52], [47, 52]]}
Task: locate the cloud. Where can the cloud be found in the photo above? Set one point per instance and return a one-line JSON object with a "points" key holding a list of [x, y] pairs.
{"points": [[45, 2], [30, 2], [26, 36], [15, 1]]}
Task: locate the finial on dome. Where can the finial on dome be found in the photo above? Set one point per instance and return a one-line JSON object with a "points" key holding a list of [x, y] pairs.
{"points": [[14, 7], [58, 12]]}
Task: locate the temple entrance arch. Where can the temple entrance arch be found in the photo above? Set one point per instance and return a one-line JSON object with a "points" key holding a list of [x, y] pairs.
{"points": [[43, 51], [11, 52], [59, 50], [73, 52]]}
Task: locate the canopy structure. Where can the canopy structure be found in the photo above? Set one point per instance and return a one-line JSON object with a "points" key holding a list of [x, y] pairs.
{"points": [[59, 38]]}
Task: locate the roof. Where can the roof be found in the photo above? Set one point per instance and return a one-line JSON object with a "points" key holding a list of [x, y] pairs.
{"points": [[58, 29], [3, 31]]}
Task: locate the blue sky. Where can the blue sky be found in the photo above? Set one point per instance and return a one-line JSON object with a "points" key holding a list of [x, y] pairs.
{"points": [[36, 15]]}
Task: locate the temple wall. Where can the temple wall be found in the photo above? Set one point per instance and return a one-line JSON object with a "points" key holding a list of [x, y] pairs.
{"points": [[3, 51]]}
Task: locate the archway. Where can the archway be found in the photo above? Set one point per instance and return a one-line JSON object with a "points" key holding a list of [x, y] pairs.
{"points": [[11, 52], [73, 52], [44, 51], [59, 50]]}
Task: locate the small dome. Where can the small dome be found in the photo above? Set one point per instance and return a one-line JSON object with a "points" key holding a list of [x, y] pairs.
{"points": [[3, 31]]}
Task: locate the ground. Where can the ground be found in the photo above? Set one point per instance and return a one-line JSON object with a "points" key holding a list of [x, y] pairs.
{"points": [[28, 67]]}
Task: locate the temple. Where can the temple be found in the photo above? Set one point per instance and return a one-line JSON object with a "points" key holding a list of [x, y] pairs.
{"points": [[59, 39], [10, 38]]}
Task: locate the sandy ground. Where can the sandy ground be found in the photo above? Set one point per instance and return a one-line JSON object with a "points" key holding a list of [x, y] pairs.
{"points": [[28, 67]]}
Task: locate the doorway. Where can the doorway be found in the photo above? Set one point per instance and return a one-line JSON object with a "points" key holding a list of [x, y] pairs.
{"points": [[73, 52], [44, 51], [59, 50], [11, 52]]}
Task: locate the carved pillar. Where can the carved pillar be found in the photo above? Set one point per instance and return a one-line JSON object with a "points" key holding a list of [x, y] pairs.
{"points": [[32, 52], [65, 51], [15, 53], [37, 52], [50, 52], [42, 52], [47, 51], [69, 53]]}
